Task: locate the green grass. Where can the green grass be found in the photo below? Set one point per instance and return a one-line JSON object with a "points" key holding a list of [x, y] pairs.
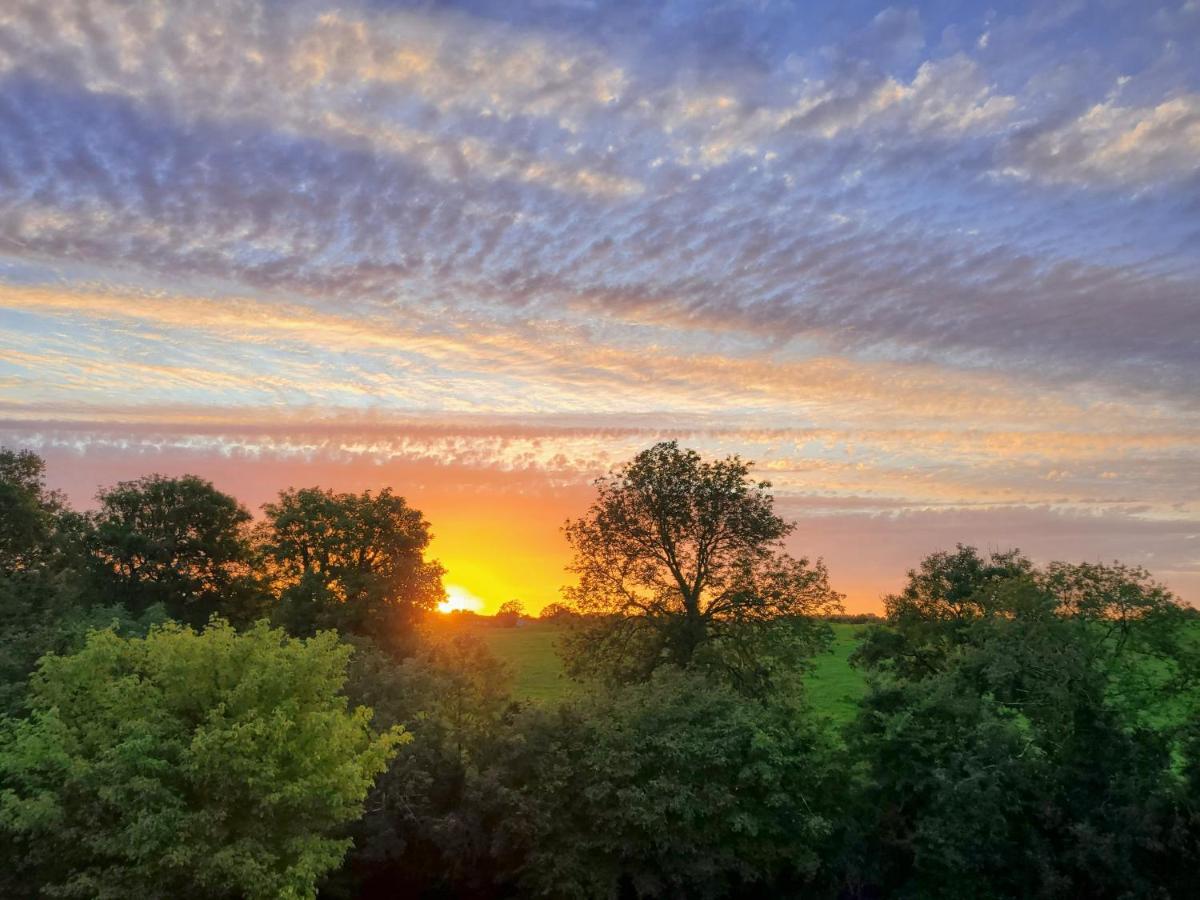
{"points": [[530, 652], [834, 686]]}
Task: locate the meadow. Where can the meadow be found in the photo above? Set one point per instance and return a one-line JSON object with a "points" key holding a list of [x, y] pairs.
{"points": [[530, 653]]}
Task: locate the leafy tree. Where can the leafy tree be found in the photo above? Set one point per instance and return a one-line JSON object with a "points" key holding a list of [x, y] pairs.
{"points": [[1006, 753], [211, 764], [943, 596], [430, 818], [510, 613], [354, 562], [675, 787], [29, 515], [178, 542], [40, 607], [681, 561]]}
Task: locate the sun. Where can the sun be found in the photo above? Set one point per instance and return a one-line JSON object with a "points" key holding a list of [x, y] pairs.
{"points": [[459, 598]]}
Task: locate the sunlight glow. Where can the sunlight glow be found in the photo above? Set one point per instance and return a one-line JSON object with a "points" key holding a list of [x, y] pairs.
{"points": [[459, 598]]}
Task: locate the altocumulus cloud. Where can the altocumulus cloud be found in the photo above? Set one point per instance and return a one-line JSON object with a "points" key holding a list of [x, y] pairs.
{"points": [[908, 259]]}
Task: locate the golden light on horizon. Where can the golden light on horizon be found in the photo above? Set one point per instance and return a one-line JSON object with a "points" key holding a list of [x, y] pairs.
{"points": [[459, 599]]}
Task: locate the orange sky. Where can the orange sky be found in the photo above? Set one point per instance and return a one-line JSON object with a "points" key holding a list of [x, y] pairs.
{"points": [[497, 533], [496, 529]]}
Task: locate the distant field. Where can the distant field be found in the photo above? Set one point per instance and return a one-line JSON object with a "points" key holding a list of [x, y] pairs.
{"points": [[537, 670]]}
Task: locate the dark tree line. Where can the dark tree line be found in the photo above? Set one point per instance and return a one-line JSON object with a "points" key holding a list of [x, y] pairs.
{"points": [[1028, 731]]}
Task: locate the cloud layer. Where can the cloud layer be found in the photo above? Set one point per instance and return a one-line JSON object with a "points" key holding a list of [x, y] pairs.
{"points": [[910, 262]]}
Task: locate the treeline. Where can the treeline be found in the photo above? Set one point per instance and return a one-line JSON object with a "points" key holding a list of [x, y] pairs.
{"points": [[199, 704]]}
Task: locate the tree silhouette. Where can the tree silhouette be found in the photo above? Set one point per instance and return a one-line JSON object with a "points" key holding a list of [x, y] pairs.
{"points": [[355, 562], [178, 542], [510, 613], [680, 560]]}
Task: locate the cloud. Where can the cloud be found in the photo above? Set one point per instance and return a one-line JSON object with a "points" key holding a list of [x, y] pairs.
{"points": [[873, 469], [1119, 145], [229, 200], [154, 345]]}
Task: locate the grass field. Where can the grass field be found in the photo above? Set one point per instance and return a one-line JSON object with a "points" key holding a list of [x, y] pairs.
{"points": [[530, 653]]}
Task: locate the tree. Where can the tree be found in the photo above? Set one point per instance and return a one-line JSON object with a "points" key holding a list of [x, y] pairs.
{"points": [[556, 612], [430, 820], [1020, 731], [354, 562], [681, 560], [29, 514], [212, 764], [40, 605], [510, 613], [944, 595], [675, 787], [178, 542]]}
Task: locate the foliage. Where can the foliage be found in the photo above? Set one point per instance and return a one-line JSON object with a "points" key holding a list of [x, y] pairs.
{"points": [[556, 612], [677, 786], [191, 764], [32, 516], [1025, 731], [177, 542], [943, 596], [32, 627], [39, 591], [510, 613], [354, 562], [680, 560], [1008, 733], [426, 826]]}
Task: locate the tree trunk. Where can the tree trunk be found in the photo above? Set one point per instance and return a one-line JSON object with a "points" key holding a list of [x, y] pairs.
{"points": [[691, 634]]}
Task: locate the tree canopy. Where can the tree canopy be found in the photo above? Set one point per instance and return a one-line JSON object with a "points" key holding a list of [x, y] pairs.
{"points": [[355, 562], [40, 541], [1022, 730], [211, 764], [1027, 730], [30, 514], [675, 787], [680, 560], [177, 542]]}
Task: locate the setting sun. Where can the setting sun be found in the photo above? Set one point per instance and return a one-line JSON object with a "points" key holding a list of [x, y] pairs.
{"points": [[459, 599]]}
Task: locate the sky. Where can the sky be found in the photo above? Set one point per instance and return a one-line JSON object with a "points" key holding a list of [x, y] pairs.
{"points": [[935, 269]]}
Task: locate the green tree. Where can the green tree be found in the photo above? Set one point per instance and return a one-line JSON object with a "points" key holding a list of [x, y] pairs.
{"points": [[212, 764], [30, 515], [1019, 732], [680, 560], [674, 787], [178, 542], [944, 595], [354, 562], [431, 818], [40, 604]]}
